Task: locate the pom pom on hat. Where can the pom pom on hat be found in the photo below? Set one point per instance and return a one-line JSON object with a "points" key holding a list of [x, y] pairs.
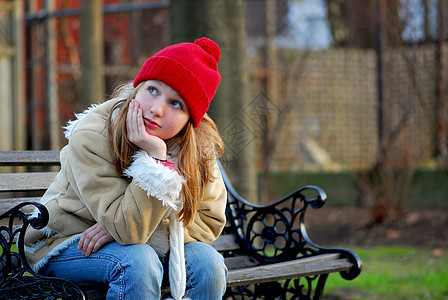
{"points": [[191, 69], [209, 46]]}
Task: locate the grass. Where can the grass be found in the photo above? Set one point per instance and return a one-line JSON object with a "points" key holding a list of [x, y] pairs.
{"points": [[394, 273]]}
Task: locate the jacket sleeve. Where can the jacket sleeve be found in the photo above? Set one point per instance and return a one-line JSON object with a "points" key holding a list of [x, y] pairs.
{"points": [[129, 211], [210, 218]]}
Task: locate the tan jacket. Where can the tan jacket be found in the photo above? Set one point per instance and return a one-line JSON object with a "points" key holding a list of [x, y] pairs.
{"points": [[88, 190]]}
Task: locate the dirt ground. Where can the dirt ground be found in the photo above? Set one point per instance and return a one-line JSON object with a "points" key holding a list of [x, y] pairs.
{"points": [[331, 226]]}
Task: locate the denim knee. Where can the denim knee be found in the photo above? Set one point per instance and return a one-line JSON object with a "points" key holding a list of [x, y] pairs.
{"points": [[206, 271], [132, 272], [142, 261], [138, 275]]}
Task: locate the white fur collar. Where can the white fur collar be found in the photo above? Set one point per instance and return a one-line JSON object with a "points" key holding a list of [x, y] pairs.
{"points": [[156, 179], [71, 124]]}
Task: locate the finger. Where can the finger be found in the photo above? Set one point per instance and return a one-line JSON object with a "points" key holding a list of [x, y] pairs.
{"points": [[139, 122], [132, 122], [107, 238], [87, 250], [130, 111], [95, 237], [136, 127], [129, 123], [90, 246], [100, 239], [91, 236], [136, 116], [83, 239], [81, 242]]}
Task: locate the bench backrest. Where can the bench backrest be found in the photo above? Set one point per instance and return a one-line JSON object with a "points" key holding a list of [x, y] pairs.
{"points": [[25, 175], [254, 234], [28, 174]]}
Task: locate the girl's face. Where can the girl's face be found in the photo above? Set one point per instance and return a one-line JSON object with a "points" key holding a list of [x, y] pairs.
{"points": [[164, 111]]}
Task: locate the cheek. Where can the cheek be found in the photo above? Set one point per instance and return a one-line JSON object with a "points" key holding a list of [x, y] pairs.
{"points": [[184, 121], [142, 104], [141, 97], [178, 124]]}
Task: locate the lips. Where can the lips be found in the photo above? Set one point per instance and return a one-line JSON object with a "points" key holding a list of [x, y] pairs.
{"points": [[151, 124]]}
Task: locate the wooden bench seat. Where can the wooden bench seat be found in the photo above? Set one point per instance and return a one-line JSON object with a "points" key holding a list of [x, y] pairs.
{"points": [[266, 248]]}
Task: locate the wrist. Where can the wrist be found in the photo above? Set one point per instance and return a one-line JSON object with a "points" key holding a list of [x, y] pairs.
{"points": [[157, 154], [164, 162], [159, 160], [155, 148]]}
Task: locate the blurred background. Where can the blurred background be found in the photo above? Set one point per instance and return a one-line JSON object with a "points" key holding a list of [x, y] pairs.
{"points": [[349, 95]]}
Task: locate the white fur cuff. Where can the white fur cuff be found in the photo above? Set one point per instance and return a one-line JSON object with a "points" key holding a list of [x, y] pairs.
{"points": [[156, 179]]}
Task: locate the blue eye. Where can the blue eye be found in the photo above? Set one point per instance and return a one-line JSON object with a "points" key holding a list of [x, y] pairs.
{"points": [[153, 90], [176, 104]]}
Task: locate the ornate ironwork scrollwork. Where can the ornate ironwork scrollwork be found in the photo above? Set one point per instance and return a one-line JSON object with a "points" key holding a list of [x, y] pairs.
{"points": [[17, 278], [297, 288], [276, 233], [273, 233]]}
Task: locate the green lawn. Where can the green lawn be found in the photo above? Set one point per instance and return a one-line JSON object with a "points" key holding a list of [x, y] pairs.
{"points": [[394, 273]]}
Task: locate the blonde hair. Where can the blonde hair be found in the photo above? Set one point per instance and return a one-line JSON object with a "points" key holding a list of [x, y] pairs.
{"points": [[197, 148]]}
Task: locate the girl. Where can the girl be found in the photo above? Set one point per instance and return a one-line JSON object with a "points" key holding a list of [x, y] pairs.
{"points": [[139, 187]]}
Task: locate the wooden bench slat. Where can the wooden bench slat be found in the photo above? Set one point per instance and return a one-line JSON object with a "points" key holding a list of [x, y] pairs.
{"points": [[225, 242], [286, 270], [10, 182], [29, 158], [8, 203], [238, 262]]}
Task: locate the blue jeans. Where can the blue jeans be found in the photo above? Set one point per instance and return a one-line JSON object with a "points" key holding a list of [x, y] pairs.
{"points": [[136, 272]]}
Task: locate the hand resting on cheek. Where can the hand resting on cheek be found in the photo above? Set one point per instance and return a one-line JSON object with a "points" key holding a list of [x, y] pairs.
{"points": [[137, 134]]}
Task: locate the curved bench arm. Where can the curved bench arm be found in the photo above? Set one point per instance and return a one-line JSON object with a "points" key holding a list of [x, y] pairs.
{"points": [[15, 271], [277, 232]]}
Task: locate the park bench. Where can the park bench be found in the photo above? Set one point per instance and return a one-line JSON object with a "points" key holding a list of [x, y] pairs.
{"points": [[266, 248]]}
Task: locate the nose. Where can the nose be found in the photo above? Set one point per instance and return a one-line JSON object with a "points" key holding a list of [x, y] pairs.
{"points": [[158, 108]]}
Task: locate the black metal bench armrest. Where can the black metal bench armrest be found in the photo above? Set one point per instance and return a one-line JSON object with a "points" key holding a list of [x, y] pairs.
{"points": [[276, 232], [17, 279], [12, 258]]}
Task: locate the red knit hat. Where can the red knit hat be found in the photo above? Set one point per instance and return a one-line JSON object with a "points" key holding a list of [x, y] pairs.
{"points": [[191, 69]]}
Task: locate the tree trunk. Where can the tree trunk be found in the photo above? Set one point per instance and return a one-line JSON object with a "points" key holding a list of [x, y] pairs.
{"points": [[223, 21], [441, 138], [92, 53], [52, 126]]}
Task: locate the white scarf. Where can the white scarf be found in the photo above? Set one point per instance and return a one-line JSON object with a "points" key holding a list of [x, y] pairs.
{"points": [[166, 185]]}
